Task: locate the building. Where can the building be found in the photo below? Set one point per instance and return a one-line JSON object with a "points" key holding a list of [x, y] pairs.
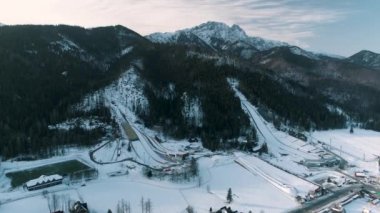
{"points": [[44, 182], [79, 207], [360, 175], [337, 208]]}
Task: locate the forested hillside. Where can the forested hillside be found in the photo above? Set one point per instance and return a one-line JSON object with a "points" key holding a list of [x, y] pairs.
{"points": [[172, 76], [304, 111], [44, 70]]}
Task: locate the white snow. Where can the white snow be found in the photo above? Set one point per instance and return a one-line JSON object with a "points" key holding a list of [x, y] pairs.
{"points": [[66, 44], [43, 179], [301, 52], [87, 124], [268, 183], [210, 31], [218, 173], [289, 183], [362, 148], [36, 204], [127, 91], [161, 37], [286, 151], [126, 50], [192, 110], [251, 191], [361, 204]]}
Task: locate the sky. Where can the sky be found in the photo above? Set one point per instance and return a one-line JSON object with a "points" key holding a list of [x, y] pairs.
{"points": [[341, 27]]}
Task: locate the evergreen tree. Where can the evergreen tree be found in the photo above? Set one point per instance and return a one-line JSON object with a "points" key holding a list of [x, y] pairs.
{"points": [[229, 196]]}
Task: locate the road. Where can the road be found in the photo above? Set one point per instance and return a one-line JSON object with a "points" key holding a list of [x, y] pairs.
{"points": [[327, 200], [336, 195]]}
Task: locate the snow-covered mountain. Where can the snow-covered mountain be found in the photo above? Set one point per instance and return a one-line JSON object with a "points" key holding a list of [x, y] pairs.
{"points": [[301, 52], [366, 58], [219, 37]]}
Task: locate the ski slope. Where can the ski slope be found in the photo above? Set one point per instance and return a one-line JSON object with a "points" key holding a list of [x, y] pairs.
{"points": [[278, 144], [286, 182], [285, 151]]}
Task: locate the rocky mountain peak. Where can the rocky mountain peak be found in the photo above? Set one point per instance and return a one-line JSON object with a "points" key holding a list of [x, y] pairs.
{"points": [[218, 36]]}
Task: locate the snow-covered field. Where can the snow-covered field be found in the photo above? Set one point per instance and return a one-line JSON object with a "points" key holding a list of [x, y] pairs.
{"points": [[34, 204], [362, 148], [284, 181], [362, 144], [251, 191], [218, 173]]}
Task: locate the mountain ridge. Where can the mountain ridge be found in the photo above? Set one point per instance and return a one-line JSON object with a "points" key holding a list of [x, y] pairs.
{"points": [[219, 36], [366, 58], [187, 92]]}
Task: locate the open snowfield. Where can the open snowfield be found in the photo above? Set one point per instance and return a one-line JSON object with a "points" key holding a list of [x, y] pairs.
{"points": [[34, 204], [105, 195], [361, 148], [251, 191], [218, 173], [284, 181], [362, 144]]}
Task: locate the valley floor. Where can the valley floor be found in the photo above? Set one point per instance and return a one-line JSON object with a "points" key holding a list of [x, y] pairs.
{"points": [[251, 190]]}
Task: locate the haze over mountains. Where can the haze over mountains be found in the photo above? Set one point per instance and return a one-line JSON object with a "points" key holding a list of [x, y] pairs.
{"points": [[182, 83]]}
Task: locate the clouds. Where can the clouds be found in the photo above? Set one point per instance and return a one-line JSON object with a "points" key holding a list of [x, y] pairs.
{"points": [[290, 21], [286, 20]]}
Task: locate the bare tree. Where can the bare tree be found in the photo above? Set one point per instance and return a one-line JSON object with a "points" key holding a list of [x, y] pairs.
{"points": [[148, 206], [123, 207], [142, 205], [55, 200]]}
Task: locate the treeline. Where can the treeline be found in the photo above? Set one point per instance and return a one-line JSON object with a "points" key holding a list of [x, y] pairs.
{"points": [[171, 73], [360, 102], [305, 111]]}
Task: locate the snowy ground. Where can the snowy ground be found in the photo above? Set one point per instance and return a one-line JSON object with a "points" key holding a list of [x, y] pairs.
{"points": [[361, 148], [264, 183], [284, 181], [284, 150], [361, 204], [218, 173]]}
